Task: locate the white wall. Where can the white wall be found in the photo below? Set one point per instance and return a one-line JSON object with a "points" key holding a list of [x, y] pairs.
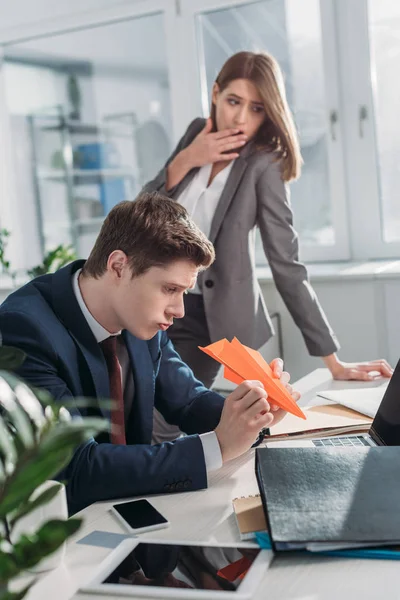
{"points": [[363, 311], [129, 73], [25, 18]]}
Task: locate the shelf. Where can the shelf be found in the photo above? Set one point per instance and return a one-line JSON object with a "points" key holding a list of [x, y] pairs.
{"points": [[85, 176], [79, 224], [75, 127], [89, 224]]}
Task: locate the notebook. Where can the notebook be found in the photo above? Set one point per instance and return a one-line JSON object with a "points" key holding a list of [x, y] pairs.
{"points": [[250, 517], [326, 420], [330, 498]]}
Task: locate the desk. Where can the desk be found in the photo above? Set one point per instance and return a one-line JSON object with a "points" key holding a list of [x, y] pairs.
{"points": [[207, 515]]}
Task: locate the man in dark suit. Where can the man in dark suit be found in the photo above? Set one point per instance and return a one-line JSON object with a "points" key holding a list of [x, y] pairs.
{"points": [[98, 329]]}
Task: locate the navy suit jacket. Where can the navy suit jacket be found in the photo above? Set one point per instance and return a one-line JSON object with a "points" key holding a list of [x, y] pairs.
{"points": [[43, 318]]}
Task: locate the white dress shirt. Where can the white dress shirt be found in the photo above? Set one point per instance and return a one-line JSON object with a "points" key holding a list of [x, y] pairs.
{"points": [[201, 200], [211, 448]]}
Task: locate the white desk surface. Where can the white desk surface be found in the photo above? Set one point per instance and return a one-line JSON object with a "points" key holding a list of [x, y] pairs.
{"points": [[207, 515]]}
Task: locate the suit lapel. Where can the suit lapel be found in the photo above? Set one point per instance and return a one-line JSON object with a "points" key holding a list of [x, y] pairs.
{"points": [[184, 183], [67, 309], [140, 423], [228, 193]]}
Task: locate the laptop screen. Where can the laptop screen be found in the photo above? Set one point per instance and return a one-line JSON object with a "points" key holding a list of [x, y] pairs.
{"points": [[386, 425]]}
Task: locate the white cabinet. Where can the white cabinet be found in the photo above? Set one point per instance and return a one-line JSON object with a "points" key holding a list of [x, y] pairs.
{"points": [[357, 315]]}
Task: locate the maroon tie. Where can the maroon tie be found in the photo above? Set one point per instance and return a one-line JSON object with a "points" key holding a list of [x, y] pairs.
{"points": [[109, 347]]}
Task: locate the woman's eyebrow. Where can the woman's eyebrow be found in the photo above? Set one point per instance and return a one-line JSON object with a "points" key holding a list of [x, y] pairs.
{"points": [[240, 98]]}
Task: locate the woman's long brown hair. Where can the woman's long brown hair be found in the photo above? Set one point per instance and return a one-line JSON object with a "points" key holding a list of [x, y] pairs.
{"points": [[278, 132]]}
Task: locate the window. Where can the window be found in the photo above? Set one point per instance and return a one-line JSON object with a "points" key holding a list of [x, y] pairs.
{"points": [[90, 117], [292, 32], [384, 31], [119, 93]]}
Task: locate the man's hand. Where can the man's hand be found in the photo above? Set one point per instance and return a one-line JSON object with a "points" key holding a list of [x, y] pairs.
{"points": [[278, 372], [246, 411]]}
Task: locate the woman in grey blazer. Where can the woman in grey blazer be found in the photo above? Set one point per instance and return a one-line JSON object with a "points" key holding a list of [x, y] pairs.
{"points": [[231, 172]]}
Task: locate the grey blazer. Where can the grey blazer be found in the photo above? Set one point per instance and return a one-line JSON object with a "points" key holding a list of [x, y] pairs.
{"points": [[254, 196]]}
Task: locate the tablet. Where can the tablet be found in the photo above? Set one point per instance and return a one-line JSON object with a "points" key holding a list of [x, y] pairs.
{"points": [[166, 569]]}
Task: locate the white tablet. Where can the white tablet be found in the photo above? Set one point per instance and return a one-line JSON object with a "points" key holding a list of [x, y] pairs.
{"points": [[166, 569]]}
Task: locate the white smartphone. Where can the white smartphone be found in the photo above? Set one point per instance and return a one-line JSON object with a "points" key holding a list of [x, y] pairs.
{"points": [[139, 516]]}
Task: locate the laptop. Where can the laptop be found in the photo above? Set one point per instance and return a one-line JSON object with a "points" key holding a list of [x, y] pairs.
{"points": [[384, 431]]}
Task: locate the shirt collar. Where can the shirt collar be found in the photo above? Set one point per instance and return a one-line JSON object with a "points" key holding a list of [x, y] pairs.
{"points": [[98, 330]]}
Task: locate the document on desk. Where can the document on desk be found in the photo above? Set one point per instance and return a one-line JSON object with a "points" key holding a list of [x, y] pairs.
{"points": [[322, 421], [364, 400], [330, 498]]}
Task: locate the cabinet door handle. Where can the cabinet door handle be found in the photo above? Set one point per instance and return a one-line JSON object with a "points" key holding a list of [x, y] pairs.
{"points": [[333, 119], [362, 117]]}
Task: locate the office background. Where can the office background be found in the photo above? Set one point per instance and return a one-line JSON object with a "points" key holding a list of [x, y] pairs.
{"points": [[94, 94]]}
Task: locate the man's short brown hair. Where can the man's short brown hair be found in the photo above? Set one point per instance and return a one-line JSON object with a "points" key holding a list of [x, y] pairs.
{"points": [[152, 231]]}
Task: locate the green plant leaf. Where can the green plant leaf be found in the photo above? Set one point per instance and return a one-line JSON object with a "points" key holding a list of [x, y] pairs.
{"points": [[27, 478], [11, 358], [31, 505], [8, 451], [31, 549], [17, 595], [46, 461], [24, 429], [8, 566], [54, 259], [53, 533]]}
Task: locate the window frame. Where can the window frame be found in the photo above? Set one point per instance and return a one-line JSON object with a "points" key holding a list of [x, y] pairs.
{"points": [[340, 250], [360, 153], [352, 160]]}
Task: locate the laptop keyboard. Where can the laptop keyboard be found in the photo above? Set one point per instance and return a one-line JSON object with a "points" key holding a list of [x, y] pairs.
{"points": [[358, 440]]}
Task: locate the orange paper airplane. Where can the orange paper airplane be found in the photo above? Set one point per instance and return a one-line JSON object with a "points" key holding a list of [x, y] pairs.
{"points": [[243, 363]]}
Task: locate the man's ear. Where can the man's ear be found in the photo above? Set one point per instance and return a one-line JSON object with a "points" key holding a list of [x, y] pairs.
{"points": [[116, 263]]}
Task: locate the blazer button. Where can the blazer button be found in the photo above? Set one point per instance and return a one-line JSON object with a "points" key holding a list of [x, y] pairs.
{"points": [[209, 283]]}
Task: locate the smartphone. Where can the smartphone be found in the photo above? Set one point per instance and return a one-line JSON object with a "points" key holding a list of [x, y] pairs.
{"points": [[139, 516]]}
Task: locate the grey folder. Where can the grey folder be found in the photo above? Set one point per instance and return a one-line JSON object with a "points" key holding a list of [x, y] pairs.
{"points": [[337, 495]]}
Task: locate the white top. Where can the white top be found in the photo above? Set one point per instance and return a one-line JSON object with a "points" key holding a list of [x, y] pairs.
{"points": [[201, 200], [211, 448]]}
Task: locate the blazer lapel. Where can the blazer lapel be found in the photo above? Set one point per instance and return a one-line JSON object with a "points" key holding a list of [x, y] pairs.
{"points": [[184, 183], [228, 193], [140, 424], [68, 311]]}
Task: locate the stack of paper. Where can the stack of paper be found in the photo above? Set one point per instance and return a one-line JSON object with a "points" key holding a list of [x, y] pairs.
{"points": [[243, 363], [364, 400], [322, 421]]}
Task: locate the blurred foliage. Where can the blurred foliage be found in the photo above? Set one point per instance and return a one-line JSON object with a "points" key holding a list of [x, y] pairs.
{"points": [[37, 440], [54, 260]]}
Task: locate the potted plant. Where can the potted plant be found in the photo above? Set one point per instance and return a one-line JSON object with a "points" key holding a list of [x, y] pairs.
{"points": [[54, 260], [37, 440]]}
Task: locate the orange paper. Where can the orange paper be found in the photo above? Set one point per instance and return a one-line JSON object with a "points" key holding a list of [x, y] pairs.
{"points": [[243, 363]]}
